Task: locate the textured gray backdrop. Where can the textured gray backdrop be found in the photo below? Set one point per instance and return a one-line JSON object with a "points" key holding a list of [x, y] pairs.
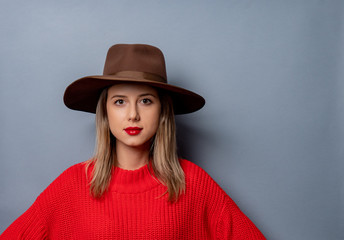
{"points": [[271, 133]]}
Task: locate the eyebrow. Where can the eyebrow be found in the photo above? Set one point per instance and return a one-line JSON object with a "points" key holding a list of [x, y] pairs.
{"points": [[141, 95], [147, 94]]}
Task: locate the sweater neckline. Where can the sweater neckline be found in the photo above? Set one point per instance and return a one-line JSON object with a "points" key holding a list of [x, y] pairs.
{"points": [[133, 181]]}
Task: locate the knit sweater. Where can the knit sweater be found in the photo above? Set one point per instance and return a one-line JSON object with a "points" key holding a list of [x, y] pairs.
{"points": [[134, 207]]}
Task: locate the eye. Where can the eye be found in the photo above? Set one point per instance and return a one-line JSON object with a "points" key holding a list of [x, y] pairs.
{"points": [[146, 101], [119, 102]]}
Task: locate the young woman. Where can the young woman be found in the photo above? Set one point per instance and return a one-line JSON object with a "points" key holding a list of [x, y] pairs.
{"points": [[135, 187]]}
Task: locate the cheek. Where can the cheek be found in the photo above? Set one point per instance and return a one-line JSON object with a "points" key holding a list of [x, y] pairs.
{"points": [[155, 120], [114, 120]]}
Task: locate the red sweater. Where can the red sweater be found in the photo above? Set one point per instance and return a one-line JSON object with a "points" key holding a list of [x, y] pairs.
{"points": [[132, 209]]}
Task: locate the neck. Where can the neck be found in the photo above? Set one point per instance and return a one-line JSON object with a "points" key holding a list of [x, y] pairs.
{"points": [[131, 158]]}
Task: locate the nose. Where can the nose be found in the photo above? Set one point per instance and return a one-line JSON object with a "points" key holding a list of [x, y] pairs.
{"points": [[134, 113]]}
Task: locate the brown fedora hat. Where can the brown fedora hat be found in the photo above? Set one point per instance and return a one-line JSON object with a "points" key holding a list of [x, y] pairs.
{"points": [[133, 63]]}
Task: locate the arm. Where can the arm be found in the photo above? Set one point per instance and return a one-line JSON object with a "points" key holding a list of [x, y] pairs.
{"points": [[30, 225], [234, 224]]}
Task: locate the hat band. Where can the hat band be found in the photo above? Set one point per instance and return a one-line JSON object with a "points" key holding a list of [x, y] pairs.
{"points": [[140, 75]]}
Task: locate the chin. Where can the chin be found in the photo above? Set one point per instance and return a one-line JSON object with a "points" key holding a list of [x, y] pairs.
{"points": [[136, 144]]}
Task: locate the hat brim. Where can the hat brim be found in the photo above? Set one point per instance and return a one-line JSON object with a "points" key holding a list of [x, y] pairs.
{"points": [[83, 94]]}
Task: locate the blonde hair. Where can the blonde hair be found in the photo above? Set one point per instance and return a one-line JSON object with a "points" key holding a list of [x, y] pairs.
{"points": [[163, 151]]}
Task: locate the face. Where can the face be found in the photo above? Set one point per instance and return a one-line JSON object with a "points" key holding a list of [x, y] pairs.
{"points": [[133, 113]]}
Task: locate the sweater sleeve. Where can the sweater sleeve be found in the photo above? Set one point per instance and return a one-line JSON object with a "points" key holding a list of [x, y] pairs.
{"points": [[30, 225], [234, 224], [35, 223]]}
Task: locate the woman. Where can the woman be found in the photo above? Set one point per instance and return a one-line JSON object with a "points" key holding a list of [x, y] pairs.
{"points": [[135, 187]]}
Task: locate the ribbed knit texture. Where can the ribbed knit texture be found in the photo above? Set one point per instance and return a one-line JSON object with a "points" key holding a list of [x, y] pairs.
{"points": [[135, 207]]}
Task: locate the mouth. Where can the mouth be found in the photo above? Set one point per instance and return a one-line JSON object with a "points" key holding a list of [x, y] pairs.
{"points": [[133, 130]]}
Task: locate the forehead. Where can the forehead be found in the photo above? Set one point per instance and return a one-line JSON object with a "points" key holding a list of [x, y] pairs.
{"points": [[131, 89]]}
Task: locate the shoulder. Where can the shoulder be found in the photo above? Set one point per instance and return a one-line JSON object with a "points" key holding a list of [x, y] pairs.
{"points": [[190, 167], [193, 171], [76, 171], [198, 180], [70, 180]]}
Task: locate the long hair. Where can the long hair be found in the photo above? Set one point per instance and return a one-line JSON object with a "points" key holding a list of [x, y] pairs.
{"points": [[163, 151]]}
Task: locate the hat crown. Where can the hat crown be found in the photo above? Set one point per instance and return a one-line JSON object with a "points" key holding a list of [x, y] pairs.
{"points": [[135, 57]]}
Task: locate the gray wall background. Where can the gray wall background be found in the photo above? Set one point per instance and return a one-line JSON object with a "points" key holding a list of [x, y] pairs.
{"points": [[271, 133]]}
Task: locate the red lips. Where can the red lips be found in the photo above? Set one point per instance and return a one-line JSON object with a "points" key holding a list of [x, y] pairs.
{"points": [[133, 130]]}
